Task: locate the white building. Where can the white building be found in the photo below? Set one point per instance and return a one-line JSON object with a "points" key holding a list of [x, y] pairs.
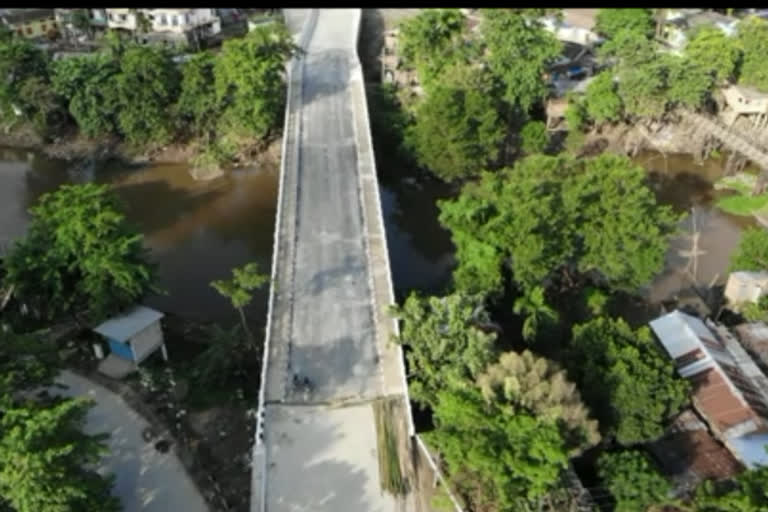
{"points": [[172, 25], [728, 389], [746, 287]]}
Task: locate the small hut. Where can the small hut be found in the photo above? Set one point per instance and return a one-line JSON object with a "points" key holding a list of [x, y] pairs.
{"points": [[746, 101], [132, 337], [746, 287]]}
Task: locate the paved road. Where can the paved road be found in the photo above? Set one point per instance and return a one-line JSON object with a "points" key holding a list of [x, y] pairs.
{"points": [[319, 458], [146, 480]]}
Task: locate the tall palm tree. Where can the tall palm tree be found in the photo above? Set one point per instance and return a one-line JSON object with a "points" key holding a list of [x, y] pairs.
{"points": [[537, 312]]}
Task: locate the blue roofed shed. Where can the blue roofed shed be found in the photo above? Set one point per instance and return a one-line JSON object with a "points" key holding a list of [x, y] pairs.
{"points": [[132, 337]]}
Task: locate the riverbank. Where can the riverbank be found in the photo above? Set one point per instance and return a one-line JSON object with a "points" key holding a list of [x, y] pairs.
{"points": [[74, 147]]}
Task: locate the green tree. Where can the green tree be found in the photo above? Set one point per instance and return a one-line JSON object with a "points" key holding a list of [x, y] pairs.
{"points": [[458, 130], [745, 494], [688, 83], [228, 351], [712, 50], [602, 102], [90, 85], [752, 252], [753, 37], [44, 459], [79, 252], [519, 51], [147, 86], [249, 79], [431, 41], [558, 217], [81, 21], [626, 379], [611, 22], [239, 290], [504, 457], [535, 138], [25, 86], [540, 387], [448, 346], [533, 304], [632, 480], [198, 105]]}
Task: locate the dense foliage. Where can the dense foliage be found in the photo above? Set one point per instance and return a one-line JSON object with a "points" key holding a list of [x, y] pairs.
{"points": [[629, 383], [554, 217], [753, 38], [506, 456], [458, 130], [79, 254], [632, 480], [539, 386], [752, 252], [448, 346], [46, 461], [611, 22], [141, 94]]}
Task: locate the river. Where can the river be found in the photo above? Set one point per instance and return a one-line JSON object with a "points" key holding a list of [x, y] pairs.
{"points": [[198, 231]]}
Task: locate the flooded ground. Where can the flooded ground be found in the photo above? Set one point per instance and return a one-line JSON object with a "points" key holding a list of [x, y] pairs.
{"points": [[198, 231]]}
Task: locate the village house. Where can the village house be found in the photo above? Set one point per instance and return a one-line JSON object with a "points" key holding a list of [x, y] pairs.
{"points": [[728, 389], [745, 101], [680, 23], [30, 23], [688, 454], [745, 287], [177, 26], [132, 337]]}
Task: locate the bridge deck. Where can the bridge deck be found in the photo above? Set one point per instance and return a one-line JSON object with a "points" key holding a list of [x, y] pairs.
{"points": [[328, 320]]}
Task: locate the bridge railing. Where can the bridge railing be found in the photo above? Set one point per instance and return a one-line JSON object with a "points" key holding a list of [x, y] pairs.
{"points": [[390, 285]]}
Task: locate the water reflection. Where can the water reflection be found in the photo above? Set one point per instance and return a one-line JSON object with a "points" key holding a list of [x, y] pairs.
{"points": [[197, 231]]}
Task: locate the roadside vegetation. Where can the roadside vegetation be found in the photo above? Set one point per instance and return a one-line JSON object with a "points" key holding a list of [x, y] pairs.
{"points": [[223, 104], [522, 365]]}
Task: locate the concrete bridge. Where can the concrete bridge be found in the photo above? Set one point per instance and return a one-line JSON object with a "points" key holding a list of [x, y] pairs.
{"points": [[331, 287]]}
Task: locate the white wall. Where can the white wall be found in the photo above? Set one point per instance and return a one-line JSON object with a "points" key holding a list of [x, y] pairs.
{"points": [[147, 341]]}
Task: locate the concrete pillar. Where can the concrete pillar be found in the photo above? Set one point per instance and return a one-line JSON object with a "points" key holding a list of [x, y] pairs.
{"points": [[164, 351]]}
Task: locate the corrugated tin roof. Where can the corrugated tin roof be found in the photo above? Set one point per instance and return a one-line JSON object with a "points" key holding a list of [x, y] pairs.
{"points": [[123, 327], [680, 333], [751, 449]]}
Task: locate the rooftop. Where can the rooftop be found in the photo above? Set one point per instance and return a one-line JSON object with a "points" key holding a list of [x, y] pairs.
{"points": [[688, 453], [123, 327], [15, 16]]}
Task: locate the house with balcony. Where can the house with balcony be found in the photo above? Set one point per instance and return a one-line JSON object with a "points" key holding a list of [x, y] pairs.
{"points": [[175, 26], [728, 389]]}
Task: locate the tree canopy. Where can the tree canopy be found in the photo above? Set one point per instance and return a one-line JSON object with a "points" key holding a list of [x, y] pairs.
{"points": [[611, 22], [148, 84], [601, 99], [747, 494], [540, 387], [249, 79], [198, 105], [712, 50], [628, 382], [519, 50], [90, 83], [457, 129], [505, 456], [46, 460], [753, 38], [432, 41], [632, 480], [79, 253], [752, 252], [448, 347], [553, 216]]}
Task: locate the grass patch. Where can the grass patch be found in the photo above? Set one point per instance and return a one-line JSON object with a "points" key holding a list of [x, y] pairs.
{"points": [[390, 475], [743, 204], [741, 183]]}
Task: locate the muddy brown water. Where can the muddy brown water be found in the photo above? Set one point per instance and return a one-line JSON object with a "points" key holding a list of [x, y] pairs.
{"points": [[198, 231]]}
